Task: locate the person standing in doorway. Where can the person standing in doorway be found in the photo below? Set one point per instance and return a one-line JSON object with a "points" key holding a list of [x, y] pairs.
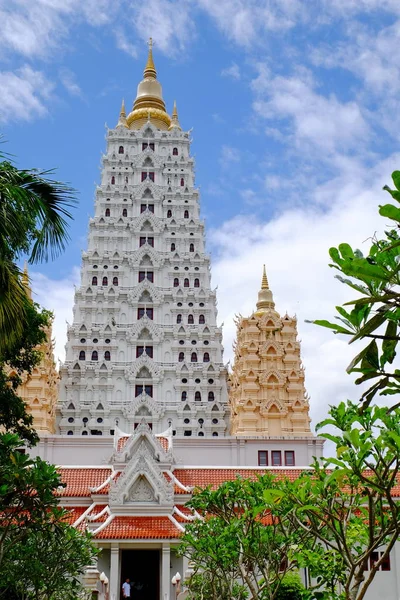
{"points": [[126, 588]]}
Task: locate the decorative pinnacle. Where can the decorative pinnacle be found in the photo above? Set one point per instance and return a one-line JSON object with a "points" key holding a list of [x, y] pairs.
{"points": [[25, 281], [174, 118], [122, 112], [150, 69], [264, 281], [122, 115]]}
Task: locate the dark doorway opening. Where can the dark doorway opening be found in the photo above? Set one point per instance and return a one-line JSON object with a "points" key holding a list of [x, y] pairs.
{"points": [[143, 569]]}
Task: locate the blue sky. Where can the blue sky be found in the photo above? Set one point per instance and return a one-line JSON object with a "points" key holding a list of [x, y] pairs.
{"points": [[295, 115]]}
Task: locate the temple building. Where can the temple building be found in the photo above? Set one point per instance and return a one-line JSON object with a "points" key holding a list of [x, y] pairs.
{"points": [[144, 342], [143, 415], [267, 392], [40, 389]]}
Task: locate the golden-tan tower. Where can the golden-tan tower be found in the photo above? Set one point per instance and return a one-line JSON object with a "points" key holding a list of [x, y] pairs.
{"points": [[267, 392], [39, 390]]}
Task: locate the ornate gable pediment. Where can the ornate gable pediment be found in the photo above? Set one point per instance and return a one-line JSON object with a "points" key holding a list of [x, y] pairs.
{"points": [[144, 250], [144, 323], [154, 409], [143, 362], [137, 224], [144, 286], [142, 481]]}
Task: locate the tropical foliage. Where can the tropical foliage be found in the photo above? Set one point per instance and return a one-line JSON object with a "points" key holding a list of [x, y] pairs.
{"points": [[34, 212], [374, 316]]}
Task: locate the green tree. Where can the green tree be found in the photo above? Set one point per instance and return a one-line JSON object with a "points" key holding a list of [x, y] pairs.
{"points": [[41, 555], [291, 588], [347, 503], [374, 316], [33, 220], [242, 548]]}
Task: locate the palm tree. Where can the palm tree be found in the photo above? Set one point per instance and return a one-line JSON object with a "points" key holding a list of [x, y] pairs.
{"points": [[34, 213]]}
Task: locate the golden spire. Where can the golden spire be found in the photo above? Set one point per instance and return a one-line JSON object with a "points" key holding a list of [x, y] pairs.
{"points": [[175, 120], [149, 99], [122, 115], [150, 69], [265, 298], [25, 281], [264, 281]]}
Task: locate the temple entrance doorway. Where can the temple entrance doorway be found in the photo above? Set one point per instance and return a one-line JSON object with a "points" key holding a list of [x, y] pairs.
{"points": [[143, 569]]}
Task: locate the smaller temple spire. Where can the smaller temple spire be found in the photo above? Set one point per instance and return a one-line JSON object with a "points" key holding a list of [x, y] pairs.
{"points": [[122, 116], [25, 281], [264, 281], [150, 69], [175, 119], [265, 298]]}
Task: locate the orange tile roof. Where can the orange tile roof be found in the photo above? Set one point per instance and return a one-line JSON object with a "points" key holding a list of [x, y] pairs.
{"points": [[139, 528], [215, 477], [74, 513], [79, 480]]}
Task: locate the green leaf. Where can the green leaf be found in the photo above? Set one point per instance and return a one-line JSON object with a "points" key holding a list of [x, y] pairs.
{"points": [[346, 251], [370, 326], [396, 179], [334, 326], [389, 345], [390, 211]]}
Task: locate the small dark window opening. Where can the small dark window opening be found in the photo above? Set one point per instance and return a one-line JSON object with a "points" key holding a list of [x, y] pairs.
{"points": [[186, 214], [193, 357], [172, 247], [121, 150], [176, 282], [197, 396], [115, 280], [175, 152], [107, 355], [181, 356], [107, 212], [82, 355], [125, 212], [179, 318], [211, 396], [191, 248], [105, 281], [94, 280], [262, 458], [206, 357], [197, 282], [113, 180], [190, 320], [201, 320], [186, 283], [95, 355]]}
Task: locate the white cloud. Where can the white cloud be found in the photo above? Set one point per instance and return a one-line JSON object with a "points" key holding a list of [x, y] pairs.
{"points": [[168, 22], [229, 155], [56, 295], [317, 122], [67, 78], [233, 71], [124, 44], [294, 245], [23, 94]]}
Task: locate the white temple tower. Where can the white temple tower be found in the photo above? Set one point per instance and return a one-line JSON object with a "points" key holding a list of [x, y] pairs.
{"points": [[144, 343]]}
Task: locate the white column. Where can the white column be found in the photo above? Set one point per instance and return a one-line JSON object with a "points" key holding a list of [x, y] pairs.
{"points": [[165, 572], [114, 573]]}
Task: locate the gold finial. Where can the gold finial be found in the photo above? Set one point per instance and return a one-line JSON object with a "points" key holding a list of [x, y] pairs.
{"points": [[264, 281], [265, 299], [174, 119], [122, 115], [150, 69]]}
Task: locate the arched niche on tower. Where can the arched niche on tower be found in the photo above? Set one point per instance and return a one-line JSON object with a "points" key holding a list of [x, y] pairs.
{"points": [[146, 261], [147, 193]]}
